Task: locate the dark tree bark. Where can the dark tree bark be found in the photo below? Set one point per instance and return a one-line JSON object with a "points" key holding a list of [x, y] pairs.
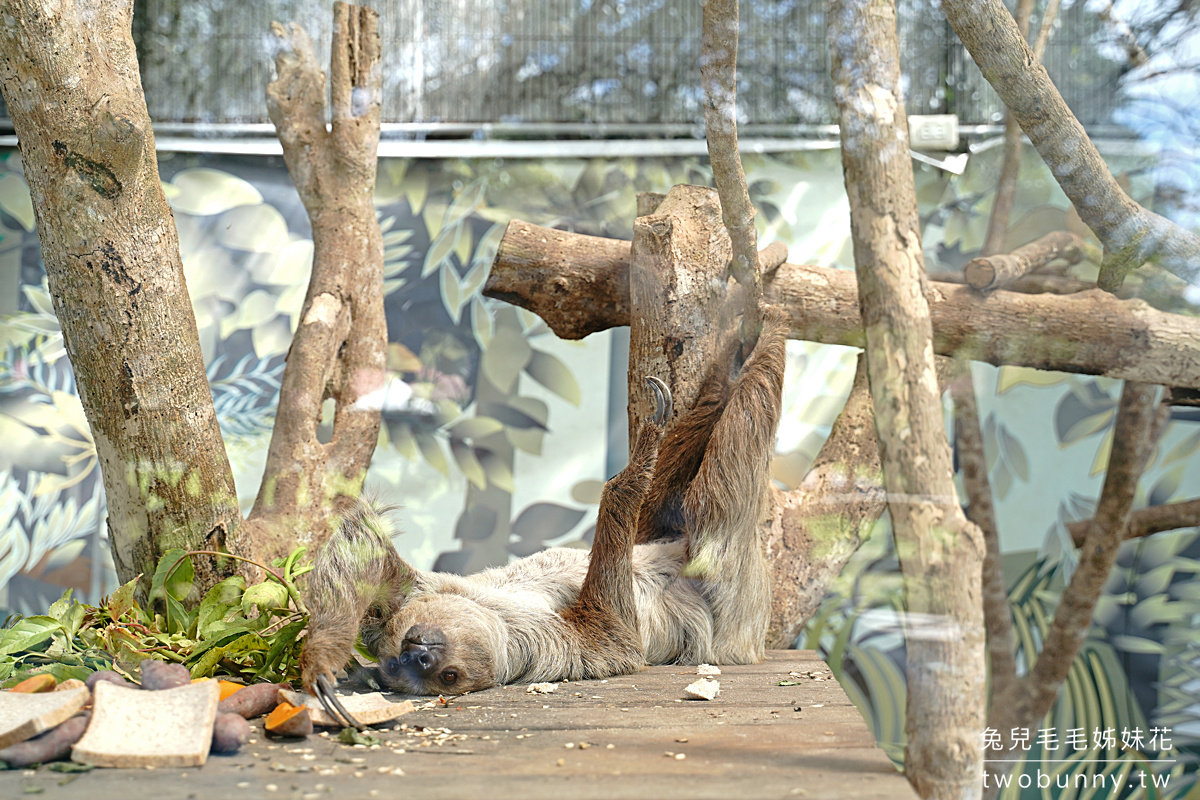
{"points": [[69, 75], [940, 552]]}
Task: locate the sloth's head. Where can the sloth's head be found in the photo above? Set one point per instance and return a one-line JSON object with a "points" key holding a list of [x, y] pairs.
{"points": [[440, 644]]}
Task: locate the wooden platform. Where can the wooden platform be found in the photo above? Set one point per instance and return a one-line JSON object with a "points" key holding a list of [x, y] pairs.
{"points": [[621, 738]]}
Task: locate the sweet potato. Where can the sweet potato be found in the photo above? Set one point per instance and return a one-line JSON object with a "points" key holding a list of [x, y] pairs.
{"points": [[110, 676], [158, 675], [230, 732], [52, 745], [289, 720], [35, 684], [229, 687], [251, 701], [69, 684]]}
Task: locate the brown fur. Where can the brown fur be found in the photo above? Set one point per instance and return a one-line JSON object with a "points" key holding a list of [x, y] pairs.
{"points": [[676, 572]]}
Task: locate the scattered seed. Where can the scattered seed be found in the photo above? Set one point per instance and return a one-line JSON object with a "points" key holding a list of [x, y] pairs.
{"points": [[561, 762], [270, 787]]}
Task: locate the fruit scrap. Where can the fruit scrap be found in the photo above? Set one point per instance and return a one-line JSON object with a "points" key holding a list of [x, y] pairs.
{"points": [[252, 701], [230, 731], [42, 682], [289, 720], [228, 688], [157, 675], [52, 745]]}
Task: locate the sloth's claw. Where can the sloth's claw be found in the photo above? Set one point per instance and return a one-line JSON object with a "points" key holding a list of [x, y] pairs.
{"points": [[323, 689], [662, 400]]}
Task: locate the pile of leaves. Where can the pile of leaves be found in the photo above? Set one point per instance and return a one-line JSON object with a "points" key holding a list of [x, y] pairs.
{"points": [[250, 634]]}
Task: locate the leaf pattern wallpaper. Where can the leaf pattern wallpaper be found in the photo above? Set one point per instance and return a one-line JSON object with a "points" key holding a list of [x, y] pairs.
{"points": [[497, 436]]}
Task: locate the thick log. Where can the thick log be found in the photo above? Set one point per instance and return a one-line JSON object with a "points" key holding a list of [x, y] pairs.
{"points": [[580, 285], [996, 271]]}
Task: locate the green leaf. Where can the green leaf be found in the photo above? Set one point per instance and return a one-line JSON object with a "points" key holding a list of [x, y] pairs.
{"points": [[217, 602], [70, 766], [173, 577], [281, 641], [551, 372], [27, 634], [265, 596], [241, 645]]}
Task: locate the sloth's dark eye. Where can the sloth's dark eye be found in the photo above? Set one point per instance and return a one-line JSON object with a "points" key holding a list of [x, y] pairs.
{"points": [[449, 676]]}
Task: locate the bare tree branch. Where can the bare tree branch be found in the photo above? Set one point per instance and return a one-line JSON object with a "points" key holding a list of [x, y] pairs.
{"points": [[997, 615], [1140, 417], [718, 74], [1010, 166], [939, 550], [339, 350], [1148, 521], [1092, 333], [1131, 235], [1047, 27], [819, 525]]}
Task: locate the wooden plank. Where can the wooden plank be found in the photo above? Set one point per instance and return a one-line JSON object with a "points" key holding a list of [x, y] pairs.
{"points": [[508, 743]]}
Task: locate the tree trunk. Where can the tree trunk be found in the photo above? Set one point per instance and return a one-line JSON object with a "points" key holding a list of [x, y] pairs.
{"points": [[580, 284], [939, 551], [69, 75], [340, 347], [679, 317]]}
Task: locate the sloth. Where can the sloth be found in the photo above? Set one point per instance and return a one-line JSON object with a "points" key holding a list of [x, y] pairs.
{"points": [[675, 574]]}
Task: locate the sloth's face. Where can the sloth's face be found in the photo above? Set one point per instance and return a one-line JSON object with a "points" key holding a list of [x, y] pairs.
{"points": [[441, 644]]}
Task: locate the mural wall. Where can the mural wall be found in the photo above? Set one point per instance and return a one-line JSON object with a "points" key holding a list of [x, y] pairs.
{"points": [[497, 436]]}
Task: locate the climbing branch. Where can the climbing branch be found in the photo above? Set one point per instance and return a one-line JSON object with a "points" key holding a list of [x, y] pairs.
{"points": [[718, 75], [1130, 234], [339, 350], [938, 549], [997, 615], [818, 526], [1148, 521], [1140, 419], [579, 285]]}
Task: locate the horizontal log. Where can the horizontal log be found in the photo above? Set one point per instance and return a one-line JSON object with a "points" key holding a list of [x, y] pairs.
{"points": [[580, 285], [997, 271]]}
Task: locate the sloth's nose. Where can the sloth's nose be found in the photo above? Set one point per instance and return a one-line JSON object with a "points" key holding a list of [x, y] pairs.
{"points": [[418, 656]]}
